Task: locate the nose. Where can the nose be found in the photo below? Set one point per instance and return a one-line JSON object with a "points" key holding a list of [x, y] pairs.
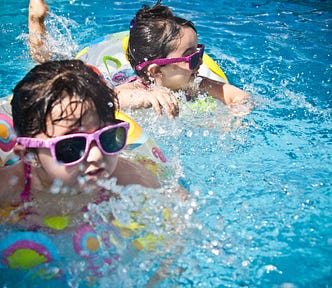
{"points": [[94, 153]]}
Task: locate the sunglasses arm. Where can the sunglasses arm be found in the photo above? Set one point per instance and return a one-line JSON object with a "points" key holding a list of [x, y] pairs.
{"points": [[32, 142]]}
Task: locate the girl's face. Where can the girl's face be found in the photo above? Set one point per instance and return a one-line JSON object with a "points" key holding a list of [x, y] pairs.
{"points": [[178, 75], [82, 176]]}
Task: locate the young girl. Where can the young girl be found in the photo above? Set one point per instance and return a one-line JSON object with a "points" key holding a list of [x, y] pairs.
{"points": [[68, 141], [164, 52]]}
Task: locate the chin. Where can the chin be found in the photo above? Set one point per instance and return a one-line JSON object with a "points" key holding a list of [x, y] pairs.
{"points": [[88, 187]]}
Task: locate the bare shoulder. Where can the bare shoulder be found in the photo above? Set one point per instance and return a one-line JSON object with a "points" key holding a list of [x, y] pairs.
{"points": [[129, 172], [12, 184]]}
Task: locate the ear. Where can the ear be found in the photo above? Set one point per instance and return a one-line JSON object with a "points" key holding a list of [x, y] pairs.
{"points": [[154, 71]]}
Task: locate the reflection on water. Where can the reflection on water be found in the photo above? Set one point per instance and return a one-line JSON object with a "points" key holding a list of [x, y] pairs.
{"points": [[259, 210]]}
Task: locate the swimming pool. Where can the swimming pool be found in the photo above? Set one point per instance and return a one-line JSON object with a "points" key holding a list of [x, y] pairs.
{"points": [[262, 188]]}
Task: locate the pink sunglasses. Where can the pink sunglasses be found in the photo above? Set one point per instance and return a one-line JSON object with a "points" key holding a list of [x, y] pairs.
{"points": [[71, 149], [193, 59]]}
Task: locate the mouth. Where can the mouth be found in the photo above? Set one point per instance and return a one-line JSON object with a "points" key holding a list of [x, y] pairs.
{"points": [[94, 174]]}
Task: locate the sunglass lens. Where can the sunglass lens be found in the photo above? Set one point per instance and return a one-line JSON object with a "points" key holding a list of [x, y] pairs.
{"points": [[194, 61], [113, 140], [201, 52], [70, 150]]}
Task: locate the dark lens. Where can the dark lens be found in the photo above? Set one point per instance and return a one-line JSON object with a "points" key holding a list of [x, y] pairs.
{"points": [[113, 140], [201, 52], [194, 60], [70, 150]]}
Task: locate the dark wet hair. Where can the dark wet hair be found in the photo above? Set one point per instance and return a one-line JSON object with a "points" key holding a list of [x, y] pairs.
{"points": [[152, 32], [48, 84]]}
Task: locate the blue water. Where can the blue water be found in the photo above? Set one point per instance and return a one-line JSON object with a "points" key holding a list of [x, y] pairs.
{"points": [[261, 184]]}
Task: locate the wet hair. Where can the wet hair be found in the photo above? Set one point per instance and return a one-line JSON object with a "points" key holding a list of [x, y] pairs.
{"points": [[152, 32], [48, 84]]}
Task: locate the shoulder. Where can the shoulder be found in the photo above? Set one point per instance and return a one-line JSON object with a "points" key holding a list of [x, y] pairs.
{"points": [[12, 183], [129, 172]]}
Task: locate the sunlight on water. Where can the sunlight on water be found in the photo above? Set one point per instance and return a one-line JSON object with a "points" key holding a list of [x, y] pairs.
{"points": [[60, 38], [161, 218], [259, 207]]}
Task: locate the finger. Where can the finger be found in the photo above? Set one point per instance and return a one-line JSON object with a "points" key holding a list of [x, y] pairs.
{"points": [[175, 104], [156, 106], [167, 105]]}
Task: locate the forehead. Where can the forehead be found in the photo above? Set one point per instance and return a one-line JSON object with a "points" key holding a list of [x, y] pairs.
{"points": [[187, 40], [72, 112]]}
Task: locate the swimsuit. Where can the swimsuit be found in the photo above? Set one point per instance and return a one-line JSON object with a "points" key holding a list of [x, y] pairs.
{"points": [[25, 195], [55, 222], [27, 249]]}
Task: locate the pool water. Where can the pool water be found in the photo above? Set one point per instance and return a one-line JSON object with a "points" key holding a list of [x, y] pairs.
{"points": [[260, 211]]}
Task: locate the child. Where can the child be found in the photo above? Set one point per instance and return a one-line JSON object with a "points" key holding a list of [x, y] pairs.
{"points": [[68, 140], [163, 50]]}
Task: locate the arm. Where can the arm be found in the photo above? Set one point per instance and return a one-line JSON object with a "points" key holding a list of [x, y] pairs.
{"points": [[37, 32], [225, 92], [128, 172], [135, 95]]}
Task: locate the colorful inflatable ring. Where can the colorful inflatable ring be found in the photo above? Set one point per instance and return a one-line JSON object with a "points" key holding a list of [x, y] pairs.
{"points": [[7, 138], [86, 240], [108, 54], [88, 244], [7, 135], [25, 250]]}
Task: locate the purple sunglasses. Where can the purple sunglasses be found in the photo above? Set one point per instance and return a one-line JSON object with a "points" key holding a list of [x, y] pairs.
{"points": [[71, 149], [193, 59]]}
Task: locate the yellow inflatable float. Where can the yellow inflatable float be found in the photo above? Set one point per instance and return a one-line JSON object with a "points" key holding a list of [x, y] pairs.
{"points": [[108, 54]]}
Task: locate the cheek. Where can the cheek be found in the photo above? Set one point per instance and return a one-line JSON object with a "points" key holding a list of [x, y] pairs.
{"points": [[68, 175], [176, 78], [111, 163]]}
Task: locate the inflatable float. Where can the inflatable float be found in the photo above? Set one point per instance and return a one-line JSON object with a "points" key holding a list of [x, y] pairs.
{"points": [[108, 54], [7, 135]]}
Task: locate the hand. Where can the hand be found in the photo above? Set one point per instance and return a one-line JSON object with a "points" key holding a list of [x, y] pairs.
{"points": [[38, 9], [161, 99], [39, 51], [135, 95]]}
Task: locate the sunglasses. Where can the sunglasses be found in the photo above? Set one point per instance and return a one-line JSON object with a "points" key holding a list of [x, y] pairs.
{"points": [[71, 149], [193, 59]]}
